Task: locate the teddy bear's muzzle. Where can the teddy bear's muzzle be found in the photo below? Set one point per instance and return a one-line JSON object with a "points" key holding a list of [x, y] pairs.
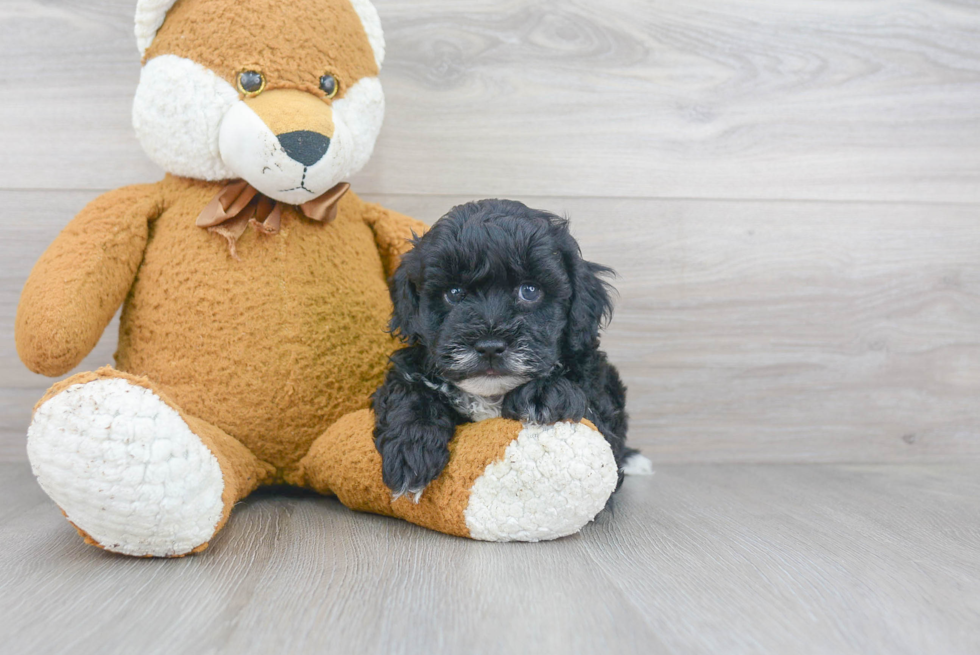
{"points": [[288, 144]]}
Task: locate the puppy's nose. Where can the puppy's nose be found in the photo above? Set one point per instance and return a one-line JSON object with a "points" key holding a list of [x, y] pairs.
{"points": [[490, 347], [304, 146]]}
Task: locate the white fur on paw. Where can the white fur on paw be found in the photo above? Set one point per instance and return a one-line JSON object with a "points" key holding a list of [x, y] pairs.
{"points": [[638, 465], [552, 480], [126, 468]]}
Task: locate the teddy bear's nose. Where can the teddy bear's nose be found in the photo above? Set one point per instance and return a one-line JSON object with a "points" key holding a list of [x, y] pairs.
{"points": [[304, 146]]}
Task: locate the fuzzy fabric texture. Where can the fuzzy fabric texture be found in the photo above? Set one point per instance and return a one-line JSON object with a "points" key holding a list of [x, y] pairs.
{"points": [[249, 144], [191, 120], [286, 340], [503, 482], [272, 349], [304, 41], [177, 115], [150, 15], [142, 477], [233, 373], [372, 28], [551, 481], [81, 279], [121, 462]]}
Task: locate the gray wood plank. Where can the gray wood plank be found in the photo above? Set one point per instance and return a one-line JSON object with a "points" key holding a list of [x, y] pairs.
{"points": [[697, 559], [787, 331], [746, 331], [759, 99], [801, 559]]}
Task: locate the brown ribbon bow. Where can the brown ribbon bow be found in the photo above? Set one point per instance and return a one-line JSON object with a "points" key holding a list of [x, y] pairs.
{"points": [[239, 205]]}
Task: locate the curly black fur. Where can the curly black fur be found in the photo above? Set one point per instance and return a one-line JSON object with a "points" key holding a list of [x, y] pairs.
{"points": [[481, 341]]}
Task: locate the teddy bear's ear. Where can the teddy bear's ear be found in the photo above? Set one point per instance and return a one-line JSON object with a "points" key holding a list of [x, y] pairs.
{"points": [[150, 15], [372, 27], [149, 18]]}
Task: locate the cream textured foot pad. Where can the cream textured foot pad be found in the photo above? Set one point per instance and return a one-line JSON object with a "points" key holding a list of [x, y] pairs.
{"points": [[552, 480], [126, 469]]}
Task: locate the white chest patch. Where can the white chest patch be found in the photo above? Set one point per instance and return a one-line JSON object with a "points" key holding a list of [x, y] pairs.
{"points": [[490, 385], [476, 398], [481, 397], [478, 408]]}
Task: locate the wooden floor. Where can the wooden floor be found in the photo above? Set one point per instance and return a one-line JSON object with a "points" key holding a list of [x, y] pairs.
{"points": [[697, 559]]}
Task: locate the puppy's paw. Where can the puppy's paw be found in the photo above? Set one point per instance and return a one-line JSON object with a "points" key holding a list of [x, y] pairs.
{"points": [[546, 401], [412, 457]]}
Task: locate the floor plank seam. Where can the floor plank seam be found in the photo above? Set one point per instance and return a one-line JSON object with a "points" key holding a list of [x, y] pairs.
{"points": [[719, 199]]}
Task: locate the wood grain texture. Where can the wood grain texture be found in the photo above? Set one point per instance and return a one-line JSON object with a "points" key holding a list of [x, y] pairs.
{"points": [[745, 331], [860, 100], [787, 331], [697, 559]]}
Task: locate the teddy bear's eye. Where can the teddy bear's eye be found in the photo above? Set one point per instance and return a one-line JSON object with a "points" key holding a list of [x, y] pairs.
{"points": [[454, 296], [328, 84], [251, 83]]}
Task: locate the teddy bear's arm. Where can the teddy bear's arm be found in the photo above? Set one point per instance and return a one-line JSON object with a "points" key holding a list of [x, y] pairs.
{"points": [[393, 234], [82, 278]]}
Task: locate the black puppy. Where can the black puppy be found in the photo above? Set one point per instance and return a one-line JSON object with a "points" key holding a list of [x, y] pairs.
{"points": [[501, 316]]}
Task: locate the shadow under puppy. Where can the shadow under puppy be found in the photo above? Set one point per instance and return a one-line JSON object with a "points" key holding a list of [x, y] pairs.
{"points": [[501, 317]]}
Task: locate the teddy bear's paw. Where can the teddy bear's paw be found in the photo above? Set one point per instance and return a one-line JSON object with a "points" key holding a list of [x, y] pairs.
{"points": [[126, 469], [552, 480]]}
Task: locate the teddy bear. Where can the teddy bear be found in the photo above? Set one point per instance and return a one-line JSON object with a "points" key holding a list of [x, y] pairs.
{"points": [[253, 287]]}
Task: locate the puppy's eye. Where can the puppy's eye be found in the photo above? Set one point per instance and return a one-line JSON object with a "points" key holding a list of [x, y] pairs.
{"points": [[328, 84], [529, 293], [455, 296], [251, 83]]}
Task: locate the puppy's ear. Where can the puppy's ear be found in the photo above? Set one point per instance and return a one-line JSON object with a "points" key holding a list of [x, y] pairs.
{"points": [[591, 305], [404, 289]]}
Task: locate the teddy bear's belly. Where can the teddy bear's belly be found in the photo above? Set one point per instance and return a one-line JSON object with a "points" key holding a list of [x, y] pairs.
{"points": [[272, 348]]}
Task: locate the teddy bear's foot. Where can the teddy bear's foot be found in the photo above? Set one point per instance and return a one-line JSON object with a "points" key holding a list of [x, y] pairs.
{"points": [[551, 481], [504, 481], [128, 471]]}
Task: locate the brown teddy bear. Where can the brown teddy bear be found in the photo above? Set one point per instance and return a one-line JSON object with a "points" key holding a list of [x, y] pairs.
{"points": [[253, 286]]}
